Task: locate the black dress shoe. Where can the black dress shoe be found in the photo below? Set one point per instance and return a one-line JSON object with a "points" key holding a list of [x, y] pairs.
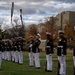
{"points": [[32, 66], [20, 64], [49, 70], [45, 69], [38, 68], [1, 69]]}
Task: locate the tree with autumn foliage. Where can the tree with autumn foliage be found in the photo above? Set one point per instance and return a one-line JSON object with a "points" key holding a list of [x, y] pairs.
{"points": [[47, 28], [43, 34], [32, 31], [69, 31]]}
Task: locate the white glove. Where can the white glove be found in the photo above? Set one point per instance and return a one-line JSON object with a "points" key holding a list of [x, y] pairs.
{"points": [[30, 45]]}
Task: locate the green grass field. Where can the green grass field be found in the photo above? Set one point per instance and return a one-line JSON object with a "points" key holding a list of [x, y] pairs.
{"points": [[10, 68]]}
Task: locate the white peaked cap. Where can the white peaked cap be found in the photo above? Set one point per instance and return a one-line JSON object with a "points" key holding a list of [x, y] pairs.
{"points": [[47, 33], [38, 35], [60, 31]]}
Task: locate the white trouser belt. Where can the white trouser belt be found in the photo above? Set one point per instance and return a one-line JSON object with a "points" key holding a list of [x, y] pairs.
{"points": [[60, 46], [48, 46], [0, 52]]}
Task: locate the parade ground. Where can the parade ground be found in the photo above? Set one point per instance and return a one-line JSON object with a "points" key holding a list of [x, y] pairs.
{"points": [[11, 68]]}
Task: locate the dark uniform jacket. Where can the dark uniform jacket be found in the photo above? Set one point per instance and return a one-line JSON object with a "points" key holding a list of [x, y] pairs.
{"points": [[62, 45], [9, 47], [36, 46], [5, 46], [31, 46], [1, 47], [14, 46], [74, 51], [49, 46], [20, 45]]}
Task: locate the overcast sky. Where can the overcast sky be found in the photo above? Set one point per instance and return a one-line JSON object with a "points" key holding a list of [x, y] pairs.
{"points": [[33, 10]]}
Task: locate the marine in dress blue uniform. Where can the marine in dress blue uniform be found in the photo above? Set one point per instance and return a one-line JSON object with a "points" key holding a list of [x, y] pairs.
{"points": [[20, 50], [1, 50], [36, 51], [74, 60], [49, 52], [61, 52], [30, 50]]}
